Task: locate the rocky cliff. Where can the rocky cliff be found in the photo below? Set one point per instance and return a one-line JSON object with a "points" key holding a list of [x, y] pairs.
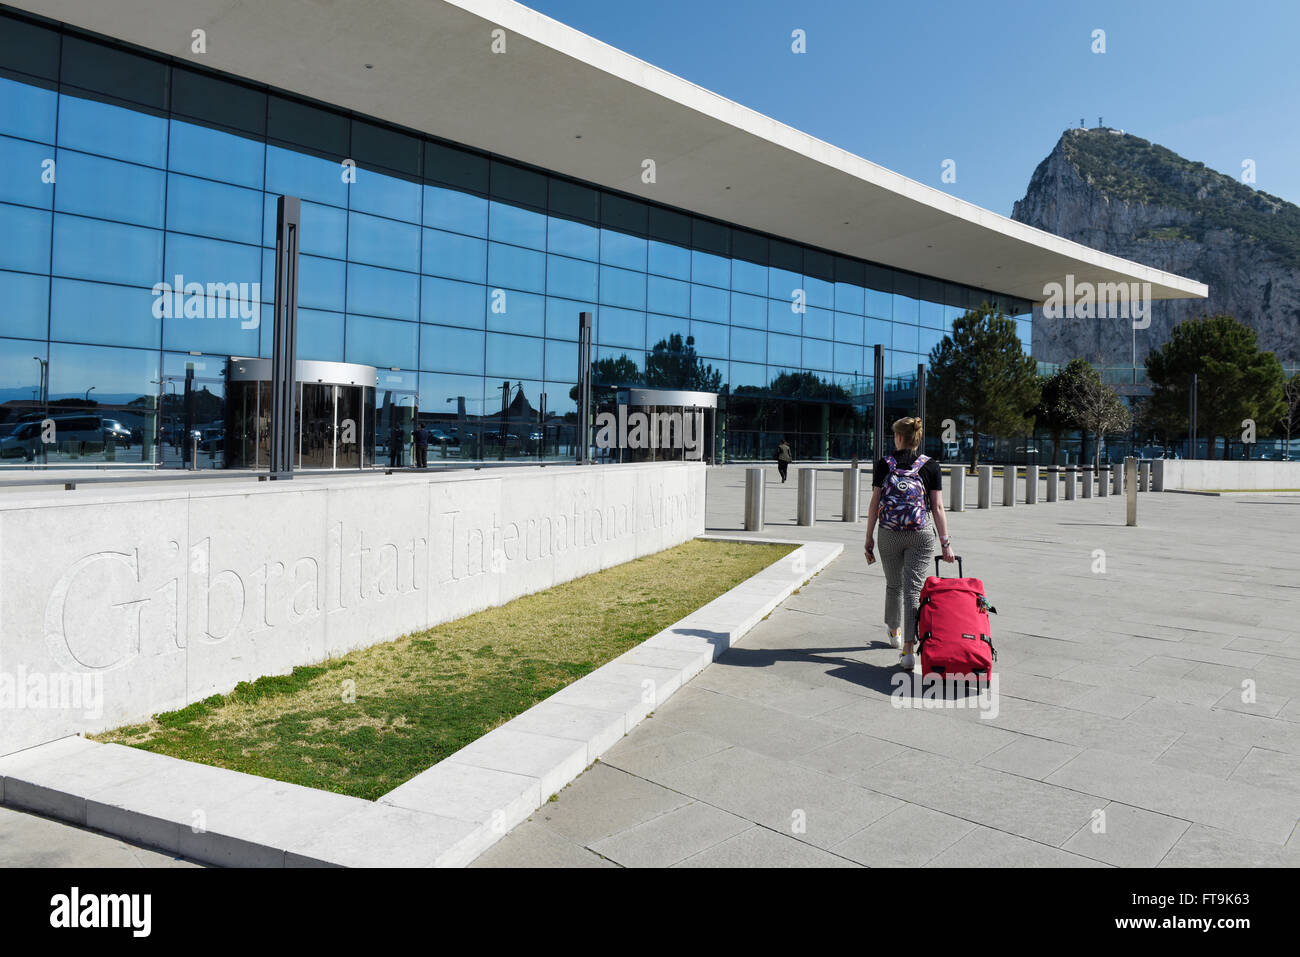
{"points": [[1127, 196]]}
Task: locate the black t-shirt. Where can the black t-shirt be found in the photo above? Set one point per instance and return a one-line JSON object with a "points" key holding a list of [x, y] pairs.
{"points": [[931, 476]]}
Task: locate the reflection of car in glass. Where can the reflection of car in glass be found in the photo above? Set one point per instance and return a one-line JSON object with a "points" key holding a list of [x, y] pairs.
{"points": [[211, 440], [72, 433]]}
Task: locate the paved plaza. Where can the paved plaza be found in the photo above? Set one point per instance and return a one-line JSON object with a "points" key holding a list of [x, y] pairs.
{"points": [[1146, 713], [1121, 738]]}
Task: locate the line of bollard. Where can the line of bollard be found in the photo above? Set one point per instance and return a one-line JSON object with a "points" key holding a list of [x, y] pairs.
{"points": [[1158, 475], [1117, 473], [1031, 484], [1086, 477], [807, 496], [1130, 478], [957, 490], [755, 486], [1103, 480], [851, 498], [1144, 476], [985, 486], [1053, 481], [1008, 485], [1071, 482]]}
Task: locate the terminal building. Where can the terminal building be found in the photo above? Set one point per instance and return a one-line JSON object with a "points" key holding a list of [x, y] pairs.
{"points": [[472, 176]]}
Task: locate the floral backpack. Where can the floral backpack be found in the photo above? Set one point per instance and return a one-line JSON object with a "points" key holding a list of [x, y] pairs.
{"points": [[902, 496]]}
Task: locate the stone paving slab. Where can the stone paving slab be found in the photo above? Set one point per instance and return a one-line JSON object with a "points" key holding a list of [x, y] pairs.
{"points": [[1121, 695]]}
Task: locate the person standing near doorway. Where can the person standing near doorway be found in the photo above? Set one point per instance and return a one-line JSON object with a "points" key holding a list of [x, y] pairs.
{"points": [[783, 458], [421, 447], [396, 439]]}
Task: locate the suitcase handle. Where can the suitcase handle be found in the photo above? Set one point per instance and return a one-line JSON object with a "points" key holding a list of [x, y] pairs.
{"points": [[938, 558]]}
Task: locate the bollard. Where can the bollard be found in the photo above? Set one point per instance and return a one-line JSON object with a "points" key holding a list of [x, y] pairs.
{"points": [[755, 485], [1117, 475], [1071, 482], [1008, 485], [807, 496], [985, 486], [1053, 478], [1086, 477], [1031, 484], [1144, 476], [957, 496], [1158, 475], [1130, 479], [851, 502]]}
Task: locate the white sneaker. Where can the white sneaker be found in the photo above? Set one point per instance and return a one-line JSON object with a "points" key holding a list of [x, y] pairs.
{"points": [[896, 638], [907, 662]]}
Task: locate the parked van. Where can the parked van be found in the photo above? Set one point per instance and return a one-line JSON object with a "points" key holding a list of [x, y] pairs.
{"points": [[77, 434]]}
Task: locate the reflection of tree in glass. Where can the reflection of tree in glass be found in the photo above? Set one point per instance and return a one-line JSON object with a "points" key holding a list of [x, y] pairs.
{"points": [[673, 364]]}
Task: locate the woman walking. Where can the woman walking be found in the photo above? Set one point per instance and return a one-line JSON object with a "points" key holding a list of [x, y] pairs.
{"points": [[783, 458], [908, 491]]}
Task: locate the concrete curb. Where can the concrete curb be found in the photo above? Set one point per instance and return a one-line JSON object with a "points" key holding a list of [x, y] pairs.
{"points": [[445, 816]]}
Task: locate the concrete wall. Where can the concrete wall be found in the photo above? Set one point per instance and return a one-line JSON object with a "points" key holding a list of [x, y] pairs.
{"points": [[1217, 474], [117, 605]]}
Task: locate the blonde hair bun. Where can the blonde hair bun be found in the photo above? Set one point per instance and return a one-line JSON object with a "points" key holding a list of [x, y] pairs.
{"points": [[910, 429]]}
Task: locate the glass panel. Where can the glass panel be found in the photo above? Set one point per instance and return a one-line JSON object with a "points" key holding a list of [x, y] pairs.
{"points": [[514, 357], [218, 101], [620, 249], [710, 304], [351, 425], [316, 426], [748, 277], [26, 303], [817, 354], [562, 317], [819, 323], [668, 296], [561, 359], [748, 310], [620, 328], [849, 298], [518, 312], [711, 269], [572, 239], [395, 426], [455, 167], [322, 283], [291, 173], [571, 278], [665, 259], [748, 345], [383, 242], [296, 122], [848, 328], [27, 111], [30, 48], [456, 211], [382, 343], [24, 164], [510, 267], [710, 339], [383, 292], [385, 195], [24, 239], [519, 227], [102, 313], [443, 349], [454, 256], [452, 303], [622, 287], [92, 249], [782, 316], [209, 209], [108, 130], [320, 335], [96, 66]]}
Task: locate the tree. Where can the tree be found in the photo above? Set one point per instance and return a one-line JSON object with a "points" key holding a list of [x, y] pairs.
{"points": [[980, 377], [1235, 380], [1059, 400], [1098, 410], [1289, 420], [673, 364]]}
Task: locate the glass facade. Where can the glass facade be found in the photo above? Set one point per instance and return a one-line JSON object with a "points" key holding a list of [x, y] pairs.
{"points": [[137, 232]]}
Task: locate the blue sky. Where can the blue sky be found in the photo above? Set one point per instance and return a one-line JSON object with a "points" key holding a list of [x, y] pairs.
{"points": [[989, 84]]}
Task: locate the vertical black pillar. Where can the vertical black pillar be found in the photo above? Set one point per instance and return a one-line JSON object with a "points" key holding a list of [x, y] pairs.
{"points": [[584, 386], [1191, 418], [878, 430], [285, 349], [920, 392], [541, 425]]}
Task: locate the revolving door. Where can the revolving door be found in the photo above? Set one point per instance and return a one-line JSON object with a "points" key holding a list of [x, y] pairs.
{"points": [[335, 420]]}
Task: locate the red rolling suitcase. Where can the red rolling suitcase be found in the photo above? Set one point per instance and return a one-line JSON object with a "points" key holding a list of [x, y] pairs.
{"points": [[952, 628]]}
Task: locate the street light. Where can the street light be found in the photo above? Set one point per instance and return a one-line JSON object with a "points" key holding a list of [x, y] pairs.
{"points": [[88, 391]]}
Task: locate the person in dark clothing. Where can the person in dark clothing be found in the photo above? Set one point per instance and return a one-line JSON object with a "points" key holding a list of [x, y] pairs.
{"points": [[396, 439], [421, 447], [783, 458]]}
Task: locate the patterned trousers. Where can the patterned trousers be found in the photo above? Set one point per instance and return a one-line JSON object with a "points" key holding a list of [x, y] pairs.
{"points": [[907, 558]]}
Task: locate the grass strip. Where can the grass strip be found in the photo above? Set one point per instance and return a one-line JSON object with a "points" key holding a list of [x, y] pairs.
{"points": [[365, 722]]}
